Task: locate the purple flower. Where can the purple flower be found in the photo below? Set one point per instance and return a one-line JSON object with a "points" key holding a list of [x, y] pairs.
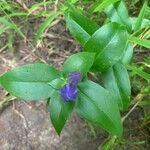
{"points": [[74, 78], [69, 92]]}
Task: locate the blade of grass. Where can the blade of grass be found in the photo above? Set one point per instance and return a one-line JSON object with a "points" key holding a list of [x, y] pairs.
{"points": [[140, 72], [103, 5], [37, 5], [140, 17], [144, 102], [108, 144], [141, 42], [5, 22], [10, 41], [45, 25], [3, 29], [17, 14]]}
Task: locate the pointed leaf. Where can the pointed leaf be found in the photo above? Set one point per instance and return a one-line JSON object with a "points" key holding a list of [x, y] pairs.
{"points": [[116, 80], [118, 12], [81, 62], [140, 72], [126, 59], [104, 5], [139, 41], [98, 106], [30, 81], [140, 17], [59, 111], [145, 23], [76, 30], [80, 26]]}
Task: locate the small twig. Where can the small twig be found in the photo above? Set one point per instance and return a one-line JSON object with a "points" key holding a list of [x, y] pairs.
{"points": [[22, 4], [45, 5], [56, 36], [5, 101], [94, 76], [3, 48], [147, 65], [56, 5], [137, 100], [21, 116]]}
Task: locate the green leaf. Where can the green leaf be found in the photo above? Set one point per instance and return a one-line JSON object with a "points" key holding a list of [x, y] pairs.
{"points": [[144, 102], [76, 30], [140, 17], [145, 22], [81, 62], [126, 59], [97, 105], [18, 14], [100, 7], [117, 81], [11, 25], [3, 29], [109, 43], [30, 81], [80, 26], [141, 42], [57, 83], [45, 25], [139, 72], [59, 111], [10, 41], [108, 145], [119, 13]]}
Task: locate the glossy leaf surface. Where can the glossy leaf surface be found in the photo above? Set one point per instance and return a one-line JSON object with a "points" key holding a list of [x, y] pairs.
{"points": [[81, 62], [30, 82], [98, 106], [116, 80], [109, 44], [119, 13], [59, 111], [80, 26], [126, 59]]}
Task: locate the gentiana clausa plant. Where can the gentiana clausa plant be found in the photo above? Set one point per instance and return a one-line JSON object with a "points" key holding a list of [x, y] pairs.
{"points": [[105, 50]]}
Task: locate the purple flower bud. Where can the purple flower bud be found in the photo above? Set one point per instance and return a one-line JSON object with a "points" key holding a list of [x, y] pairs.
{"points": [[69, 92], [74, 78]]}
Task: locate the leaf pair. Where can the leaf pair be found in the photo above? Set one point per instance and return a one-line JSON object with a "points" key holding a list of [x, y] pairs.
{"points": [[108, 42], [30, 82]]}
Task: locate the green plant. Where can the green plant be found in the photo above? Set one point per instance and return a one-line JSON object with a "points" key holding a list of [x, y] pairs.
{"points": [[107, 50]]}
